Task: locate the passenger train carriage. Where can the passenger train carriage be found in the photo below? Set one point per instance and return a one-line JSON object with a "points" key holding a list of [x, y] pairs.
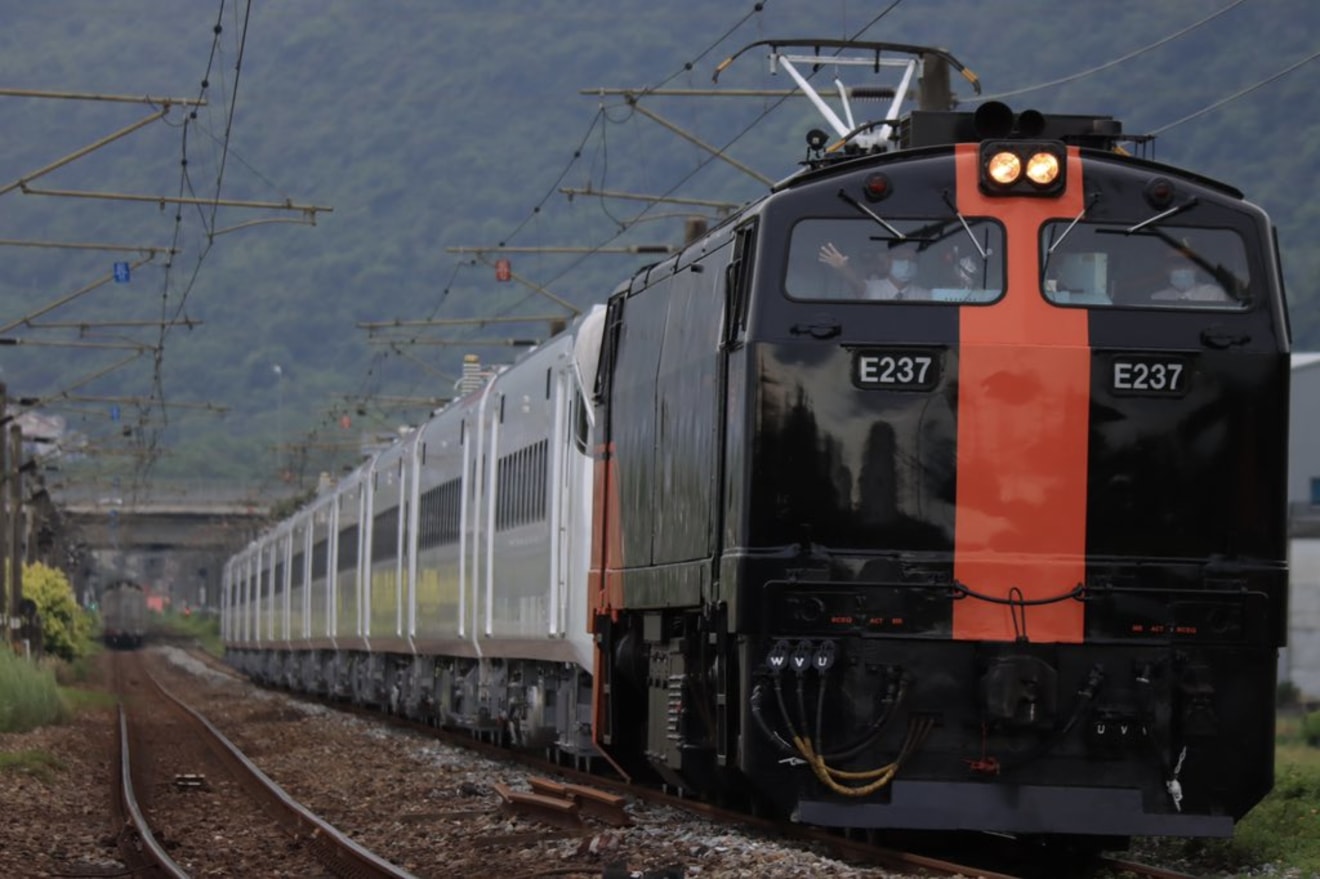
{"points": [[1004, 553], [123, 614]]}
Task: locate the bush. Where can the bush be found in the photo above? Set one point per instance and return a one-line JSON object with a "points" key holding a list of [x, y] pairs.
{"points": [[1311, 729], [73, 672], [66, 629], [29, 697], [1287, 695]]}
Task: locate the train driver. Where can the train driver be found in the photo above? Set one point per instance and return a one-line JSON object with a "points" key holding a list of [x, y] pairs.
{"points": [[883, 273], [1186, 281]]}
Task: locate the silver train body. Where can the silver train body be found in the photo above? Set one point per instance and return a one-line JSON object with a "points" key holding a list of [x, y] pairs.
{"points": [[123, 615], [444, 578]]}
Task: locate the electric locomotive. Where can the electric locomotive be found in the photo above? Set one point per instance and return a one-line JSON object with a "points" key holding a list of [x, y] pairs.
{"points": [[1005, 552], [941, 488]]}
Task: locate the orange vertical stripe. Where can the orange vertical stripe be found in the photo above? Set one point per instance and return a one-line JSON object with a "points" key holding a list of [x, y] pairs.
{"points": [[1024, 380], [604, 582], [604, 577]]}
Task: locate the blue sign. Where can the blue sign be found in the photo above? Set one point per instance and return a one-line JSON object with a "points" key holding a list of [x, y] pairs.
{"points": [[114, 413], [121, 273]]}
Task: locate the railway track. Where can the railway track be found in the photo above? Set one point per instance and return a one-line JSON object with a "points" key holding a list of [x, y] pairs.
{"points": [[1133, 868], [569, 822], [559, 796], [561, 804], [191, 802]]}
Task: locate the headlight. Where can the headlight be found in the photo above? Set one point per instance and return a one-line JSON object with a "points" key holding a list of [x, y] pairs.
{"points": [[1004, 168], [1043, 168], [1023, 167]]}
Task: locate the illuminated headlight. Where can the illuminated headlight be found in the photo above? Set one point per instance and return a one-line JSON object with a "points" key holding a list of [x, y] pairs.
{"points": [[1004, 168], [1043, 168], [1023, 167]]}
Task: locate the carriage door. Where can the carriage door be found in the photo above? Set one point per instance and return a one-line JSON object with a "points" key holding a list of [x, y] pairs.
{"points": [[568, 446]]}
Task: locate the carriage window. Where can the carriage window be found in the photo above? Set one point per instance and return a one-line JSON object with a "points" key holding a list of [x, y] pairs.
{"points": [[931, 260], [1092, 264]]}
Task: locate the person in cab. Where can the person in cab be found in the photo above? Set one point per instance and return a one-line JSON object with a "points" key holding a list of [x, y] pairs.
{"points": [[1187, 282], [883, 273]]}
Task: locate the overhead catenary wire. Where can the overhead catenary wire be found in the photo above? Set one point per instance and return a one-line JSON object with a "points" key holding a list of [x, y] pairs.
{"points": [[1115, 62], [601, 115], [1238, 94], [150, 429], [757, 9], [624, 224], [150, 441], [707, 160]]}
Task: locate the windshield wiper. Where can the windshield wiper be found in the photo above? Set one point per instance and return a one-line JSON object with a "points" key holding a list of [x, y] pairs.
{"points": [[1173, 211], [961, 219], [872, 214], [1224, 277], [1049, 251]]}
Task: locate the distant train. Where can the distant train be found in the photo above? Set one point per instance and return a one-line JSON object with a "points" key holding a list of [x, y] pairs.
{"points": [[999, 546], [123, 615]]}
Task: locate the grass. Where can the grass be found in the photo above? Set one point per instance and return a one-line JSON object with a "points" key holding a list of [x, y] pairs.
{"points": [[202, 627], [52, 690], [79, 699], [1282, 831], [1285, 826], [29, 695], [38, 764]]}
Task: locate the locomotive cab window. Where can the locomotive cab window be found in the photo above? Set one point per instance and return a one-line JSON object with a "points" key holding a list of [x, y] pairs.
{"points": [[914, 260], [1095, 264]]}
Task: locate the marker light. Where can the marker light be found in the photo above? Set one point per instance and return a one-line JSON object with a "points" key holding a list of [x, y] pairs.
{"points": [[1004, 168], [1159, 193], [878, 187], [1043, 168]]}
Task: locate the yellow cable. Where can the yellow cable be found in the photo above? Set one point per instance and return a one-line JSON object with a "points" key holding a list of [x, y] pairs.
{"points": [[884, 775], [824, 774]]}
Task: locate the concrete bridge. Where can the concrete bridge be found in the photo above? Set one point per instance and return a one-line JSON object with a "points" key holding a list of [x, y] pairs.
{"points": [[173, 538]]}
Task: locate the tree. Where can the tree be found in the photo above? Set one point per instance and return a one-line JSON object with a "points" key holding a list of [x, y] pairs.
{"points": [[66, 628]]}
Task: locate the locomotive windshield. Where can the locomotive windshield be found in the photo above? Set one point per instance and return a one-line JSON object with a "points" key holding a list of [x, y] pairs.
{"points": [[1084, 264], [1166, 267], [950, 260]]}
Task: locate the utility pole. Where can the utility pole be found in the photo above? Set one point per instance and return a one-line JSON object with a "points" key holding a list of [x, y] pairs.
{"points": [[6, 614], [279, 422], [15, 528]]}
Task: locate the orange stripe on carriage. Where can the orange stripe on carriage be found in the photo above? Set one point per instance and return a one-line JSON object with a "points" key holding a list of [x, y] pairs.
{"points": [[1024, 381]]}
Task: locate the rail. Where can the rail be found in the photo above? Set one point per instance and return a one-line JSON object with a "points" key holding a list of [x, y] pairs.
{"points": [[150, 848]]}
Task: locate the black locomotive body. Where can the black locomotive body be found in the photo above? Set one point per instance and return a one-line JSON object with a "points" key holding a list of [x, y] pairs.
{"points": [[1007, 553]]}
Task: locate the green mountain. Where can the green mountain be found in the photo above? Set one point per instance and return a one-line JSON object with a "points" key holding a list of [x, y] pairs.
{"points": [[428, 126]]}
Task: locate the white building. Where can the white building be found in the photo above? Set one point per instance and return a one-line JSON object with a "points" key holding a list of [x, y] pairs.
{"points": [[1299, 662]]}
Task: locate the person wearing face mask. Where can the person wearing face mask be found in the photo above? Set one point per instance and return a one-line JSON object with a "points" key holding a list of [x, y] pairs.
{"points": [[1186, 283], [882, 274]]}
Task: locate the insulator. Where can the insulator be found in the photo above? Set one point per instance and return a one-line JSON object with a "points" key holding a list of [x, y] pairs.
{"points": [[871, 93]]}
